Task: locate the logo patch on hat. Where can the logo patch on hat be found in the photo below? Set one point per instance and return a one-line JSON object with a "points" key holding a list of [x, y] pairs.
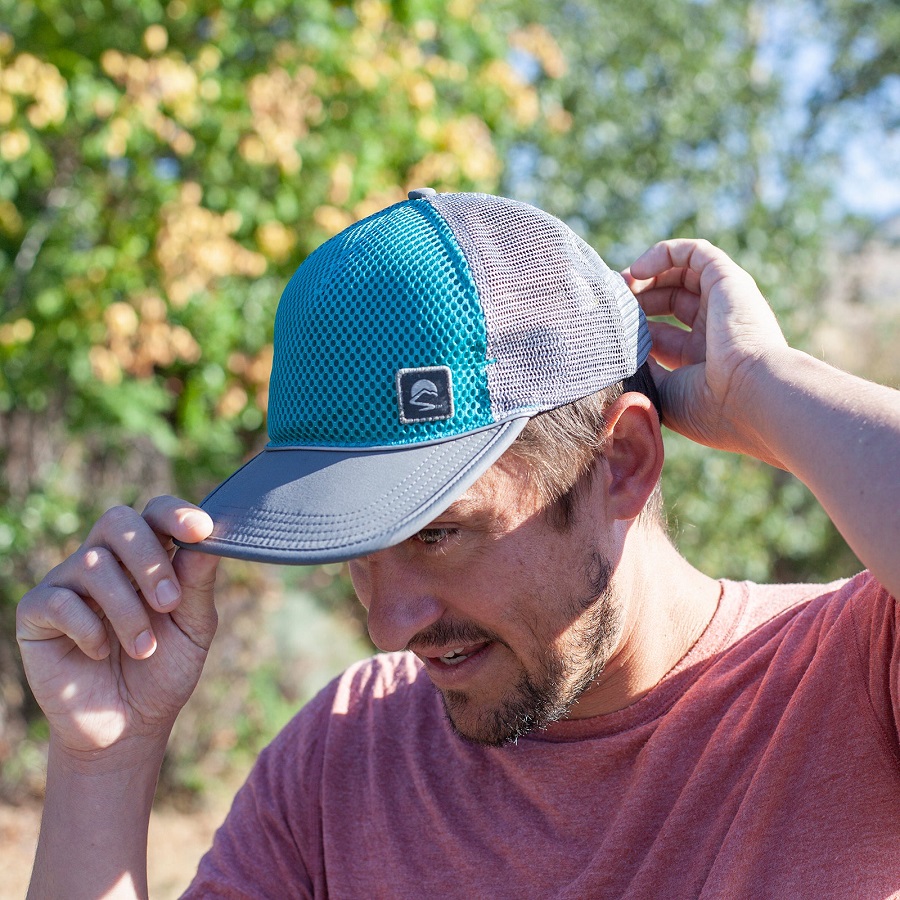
{"points": [[425, 395]]}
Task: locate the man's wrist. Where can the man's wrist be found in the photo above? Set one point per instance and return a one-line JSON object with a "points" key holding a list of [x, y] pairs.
{"points": [[118, 782], [93, 838], [760, 400], [126, 757]]}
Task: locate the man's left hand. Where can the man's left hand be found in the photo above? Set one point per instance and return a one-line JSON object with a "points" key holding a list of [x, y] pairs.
{"points": [[700, 369]]}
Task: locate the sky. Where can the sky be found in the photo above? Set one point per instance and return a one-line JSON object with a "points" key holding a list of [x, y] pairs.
{"points": [[797, 48]]}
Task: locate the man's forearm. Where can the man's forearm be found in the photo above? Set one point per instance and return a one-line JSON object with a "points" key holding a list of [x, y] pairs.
{"points": [[841, 436], [93, 840]]}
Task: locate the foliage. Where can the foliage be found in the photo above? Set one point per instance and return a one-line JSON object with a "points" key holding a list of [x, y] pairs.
{"points": [[688, 118], [164, 168], [860, 39]]}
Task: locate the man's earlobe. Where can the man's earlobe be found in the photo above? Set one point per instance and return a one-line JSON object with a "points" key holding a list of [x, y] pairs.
{"points": [[633, 452]]}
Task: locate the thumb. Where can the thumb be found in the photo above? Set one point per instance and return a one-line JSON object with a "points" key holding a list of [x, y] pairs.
{"points": [[685, 405], [196, 614], [660, 377]]}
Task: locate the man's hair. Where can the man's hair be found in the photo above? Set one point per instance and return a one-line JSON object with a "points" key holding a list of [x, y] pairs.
{"points": [[561, 445]]}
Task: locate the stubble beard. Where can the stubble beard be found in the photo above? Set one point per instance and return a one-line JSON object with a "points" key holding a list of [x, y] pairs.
{"points": [[548, 693]]}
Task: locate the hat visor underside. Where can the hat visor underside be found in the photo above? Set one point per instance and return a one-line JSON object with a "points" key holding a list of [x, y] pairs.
{"points": [[306, 506]]}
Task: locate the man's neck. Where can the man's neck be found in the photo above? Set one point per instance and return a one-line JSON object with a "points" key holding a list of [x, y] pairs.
{"points": [[666, 605]]}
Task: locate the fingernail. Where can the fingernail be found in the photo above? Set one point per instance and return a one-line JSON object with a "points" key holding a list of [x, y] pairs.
{"points": [[144, 644], [103, 652], [167, 594]]}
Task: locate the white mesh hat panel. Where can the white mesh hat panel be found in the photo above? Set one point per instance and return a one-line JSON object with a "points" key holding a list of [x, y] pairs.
{"points": [[561, 324]]}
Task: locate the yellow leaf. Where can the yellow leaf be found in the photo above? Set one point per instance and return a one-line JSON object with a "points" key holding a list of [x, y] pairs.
{"points": [[156, 39]]}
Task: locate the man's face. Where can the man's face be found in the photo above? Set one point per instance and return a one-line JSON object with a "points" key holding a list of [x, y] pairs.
{"points": [[513, 618]]}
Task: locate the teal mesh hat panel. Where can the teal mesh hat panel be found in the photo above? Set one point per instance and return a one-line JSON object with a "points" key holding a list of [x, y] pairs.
{"points": [[391, 293]]}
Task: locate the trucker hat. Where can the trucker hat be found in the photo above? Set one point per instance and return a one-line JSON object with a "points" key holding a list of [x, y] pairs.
{"points": [[409, 352]]}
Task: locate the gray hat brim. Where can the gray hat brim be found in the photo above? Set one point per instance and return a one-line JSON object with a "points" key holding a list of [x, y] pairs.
{"points": [[305, 506]]}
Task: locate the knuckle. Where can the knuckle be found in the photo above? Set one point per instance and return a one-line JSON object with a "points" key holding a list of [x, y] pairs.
{"points": [[58, 602], [57, 572], [28, 598], [119, 516], [151, 565], [24, 609], [128, 622], [94, 559]]}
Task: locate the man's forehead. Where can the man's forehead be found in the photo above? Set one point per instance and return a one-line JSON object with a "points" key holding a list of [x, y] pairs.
{"points": [[501, 485], [462, 506]]}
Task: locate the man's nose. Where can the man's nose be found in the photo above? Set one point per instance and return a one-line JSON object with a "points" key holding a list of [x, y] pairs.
{"points": [[399, 596]]}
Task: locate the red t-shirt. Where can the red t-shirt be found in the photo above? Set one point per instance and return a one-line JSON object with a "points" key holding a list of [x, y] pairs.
{"points": [[765, 764]]}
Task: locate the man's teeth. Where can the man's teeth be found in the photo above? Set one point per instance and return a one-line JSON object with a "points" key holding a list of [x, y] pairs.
{"points": [[454, 656]]}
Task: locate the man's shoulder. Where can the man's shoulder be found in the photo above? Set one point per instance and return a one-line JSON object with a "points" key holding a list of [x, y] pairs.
{"points": [[819, 606], [767, 600]]}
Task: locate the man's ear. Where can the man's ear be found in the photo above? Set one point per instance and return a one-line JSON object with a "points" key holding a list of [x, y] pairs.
{"points": [[633, 453]]}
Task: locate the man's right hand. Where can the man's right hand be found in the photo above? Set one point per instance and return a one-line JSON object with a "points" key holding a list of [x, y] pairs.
{"points": [[114, 639]]}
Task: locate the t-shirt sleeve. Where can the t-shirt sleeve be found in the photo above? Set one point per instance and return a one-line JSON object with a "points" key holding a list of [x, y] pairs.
{"points": [[876, 624], [270, 843]]}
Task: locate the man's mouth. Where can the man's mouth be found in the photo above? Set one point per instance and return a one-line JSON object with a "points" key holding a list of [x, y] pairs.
{"points": [[458, 655]]}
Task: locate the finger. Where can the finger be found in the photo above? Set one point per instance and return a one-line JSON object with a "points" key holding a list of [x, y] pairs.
{"points": [[664, 301], [687, 279], [48, 613], [660, 375], [107, 584], [712, 264], [670, 345], [178, 518], [131, 539], [678, 253], [676, 277], [196, 615]]}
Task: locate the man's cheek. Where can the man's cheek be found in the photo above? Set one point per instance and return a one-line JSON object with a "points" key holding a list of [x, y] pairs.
{"points": [[360, 581]]}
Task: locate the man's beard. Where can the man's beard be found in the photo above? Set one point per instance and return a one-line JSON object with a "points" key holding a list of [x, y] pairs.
{"points": [[548, 694]]}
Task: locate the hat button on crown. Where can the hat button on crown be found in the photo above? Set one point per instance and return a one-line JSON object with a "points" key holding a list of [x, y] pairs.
{"points": [[420, 193]]}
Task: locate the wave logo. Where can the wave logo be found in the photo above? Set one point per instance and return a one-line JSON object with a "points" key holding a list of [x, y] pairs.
{"points": [[425, 395]]}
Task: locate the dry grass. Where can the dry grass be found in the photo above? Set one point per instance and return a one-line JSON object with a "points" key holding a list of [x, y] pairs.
{"points": [[177, 841]]}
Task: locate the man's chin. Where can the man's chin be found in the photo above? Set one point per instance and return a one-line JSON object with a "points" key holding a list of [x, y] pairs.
{"points": [[489, 725], [473, 729]]}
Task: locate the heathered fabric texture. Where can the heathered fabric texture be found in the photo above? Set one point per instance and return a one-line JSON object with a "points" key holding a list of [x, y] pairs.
{"points": [[766, 764]]}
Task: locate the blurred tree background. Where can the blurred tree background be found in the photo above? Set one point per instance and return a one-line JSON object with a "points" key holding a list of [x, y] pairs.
{"points": [[164, 167]]}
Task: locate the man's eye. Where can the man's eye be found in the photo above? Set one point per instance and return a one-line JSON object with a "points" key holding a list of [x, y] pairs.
{"points": [[433, 535]]}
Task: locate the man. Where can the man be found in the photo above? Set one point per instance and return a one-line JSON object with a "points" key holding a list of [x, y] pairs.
{"points": [[453, 409]]}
